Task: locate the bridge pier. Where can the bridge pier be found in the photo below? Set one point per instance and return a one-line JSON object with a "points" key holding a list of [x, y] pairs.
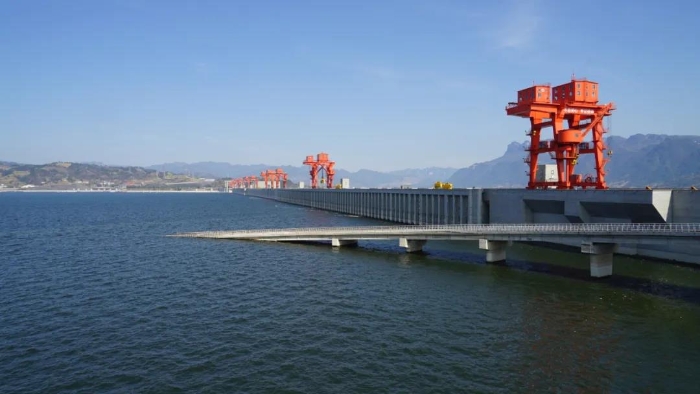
{"points": [[601, 258], [336, 242], [412, 245], [495, 250]]}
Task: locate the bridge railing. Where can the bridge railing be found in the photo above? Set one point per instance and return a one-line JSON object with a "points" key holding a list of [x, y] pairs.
{"points": [[553, 228]]}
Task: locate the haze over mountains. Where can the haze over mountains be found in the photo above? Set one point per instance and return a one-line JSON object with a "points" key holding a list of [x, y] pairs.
{"points": [[638, 161], [424, 177], [641, 160]]}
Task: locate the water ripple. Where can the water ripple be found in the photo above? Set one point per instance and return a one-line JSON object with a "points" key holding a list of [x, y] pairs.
{"points": [[93, 298]]}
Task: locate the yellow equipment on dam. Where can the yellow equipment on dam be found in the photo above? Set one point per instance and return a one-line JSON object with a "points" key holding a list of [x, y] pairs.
{"points": [[443, 186]]}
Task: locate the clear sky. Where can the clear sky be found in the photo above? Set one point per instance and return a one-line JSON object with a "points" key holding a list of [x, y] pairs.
{"points": [[377, 84]]}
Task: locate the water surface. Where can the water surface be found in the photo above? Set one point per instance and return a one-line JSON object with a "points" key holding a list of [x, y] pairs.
{"points": [[95, 298]]}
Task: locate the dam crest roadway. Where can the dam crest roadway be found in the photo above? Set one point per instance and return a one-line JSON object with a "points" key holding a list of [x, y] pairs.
{"points": [[599, 240]]}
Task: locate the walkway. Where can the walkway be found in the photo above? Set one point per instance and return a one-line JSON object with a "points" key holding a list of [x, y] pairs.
{"points": [[598, 240], [628, 233]]}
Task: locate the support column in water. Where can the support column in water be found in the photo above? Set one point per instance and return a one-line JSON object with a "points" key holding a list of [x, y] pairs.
{"points": [[601, 258], [336, 242], [412, 245], [495, 250]]}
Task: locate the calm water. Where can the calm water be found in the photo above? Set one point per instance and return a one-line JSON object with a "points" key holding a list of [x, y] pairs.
{"points": [[94, 298]]}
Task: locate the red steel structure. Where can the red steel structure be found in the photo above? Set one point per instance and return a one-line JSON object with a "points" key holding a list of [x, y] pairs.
{"points": [[573, 112], [235, 183], [267, 176], [251, 182], [281, 176], [322, 163], [274, 179]]}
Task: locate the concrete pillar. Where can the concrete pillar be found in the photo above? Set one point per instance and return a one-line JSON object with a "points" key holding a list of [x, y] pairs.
{"points": [[601, 258], [476, 210], [343, 242], [495, 250], [412, 245]]}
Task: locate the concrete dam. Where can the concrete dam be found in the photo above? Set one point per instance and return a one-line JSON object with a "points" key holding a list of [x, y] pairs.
{"points": [[513, 206]]}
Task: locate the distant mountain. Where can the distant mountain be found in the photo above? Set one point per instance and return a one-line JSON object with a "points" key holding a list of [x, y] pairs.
{"points": [[362, 178], [210, 169], [640, 160], [655, 160], [423, 177], [67, 175], [227, 170], [506, 171]]}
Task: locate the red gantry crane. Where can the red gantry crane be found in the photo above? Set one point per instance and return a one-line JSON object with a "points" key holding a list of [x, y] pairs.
{"points": [[235, 183], [274, 179], [267, 176], [573, 113], [321, 164], [281, 176], [251, 182], [244, 182]]}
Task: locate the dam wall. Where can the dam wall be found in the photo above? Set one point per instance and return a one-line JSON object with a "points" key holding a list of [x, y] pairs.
{"points": [[485, 206], [407, 206]]}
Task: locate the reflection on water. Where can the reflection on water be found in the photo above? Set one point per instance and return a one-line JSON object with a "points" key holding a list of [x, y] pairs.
{"points": [[94, 298]]}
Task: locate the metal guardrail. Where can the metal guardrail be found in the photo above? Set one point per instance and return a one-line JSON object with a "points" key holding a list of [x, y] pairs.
{"points": [[588, 229]]}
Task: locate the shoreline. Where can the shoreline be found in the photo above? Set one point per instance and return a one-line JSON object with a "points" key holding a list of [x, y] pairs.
{"points": [[108, 191]]}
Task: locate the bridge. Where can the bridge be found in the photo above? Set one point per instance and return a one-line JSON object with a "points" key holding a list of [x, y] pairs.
{"points": [[599, 240]]}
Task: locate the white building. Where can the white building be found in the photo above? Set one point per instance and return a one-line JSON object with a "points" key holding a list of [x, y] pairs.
{"points": [[547, 173]]}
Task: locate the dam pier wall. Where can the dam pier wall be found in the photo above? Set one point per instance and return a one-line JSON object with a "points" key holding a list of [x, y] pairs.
{"points": [[407, 206], [512, 206]]}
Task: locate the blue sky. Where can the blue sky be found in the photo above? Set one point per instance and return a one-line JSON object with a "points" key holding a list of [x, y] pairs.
{"points": [[383, 85]]}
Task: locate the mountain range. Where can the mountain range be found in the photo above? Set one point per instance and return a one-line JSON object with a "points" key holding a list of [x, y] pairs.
{"points": [[424, 177], [655, 160], [640, 160], [66, 175]]}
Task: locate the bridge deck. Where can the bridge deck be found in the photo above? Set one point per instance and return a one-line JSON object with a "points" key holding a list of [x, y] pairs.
{"points": [[603, 232]]}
